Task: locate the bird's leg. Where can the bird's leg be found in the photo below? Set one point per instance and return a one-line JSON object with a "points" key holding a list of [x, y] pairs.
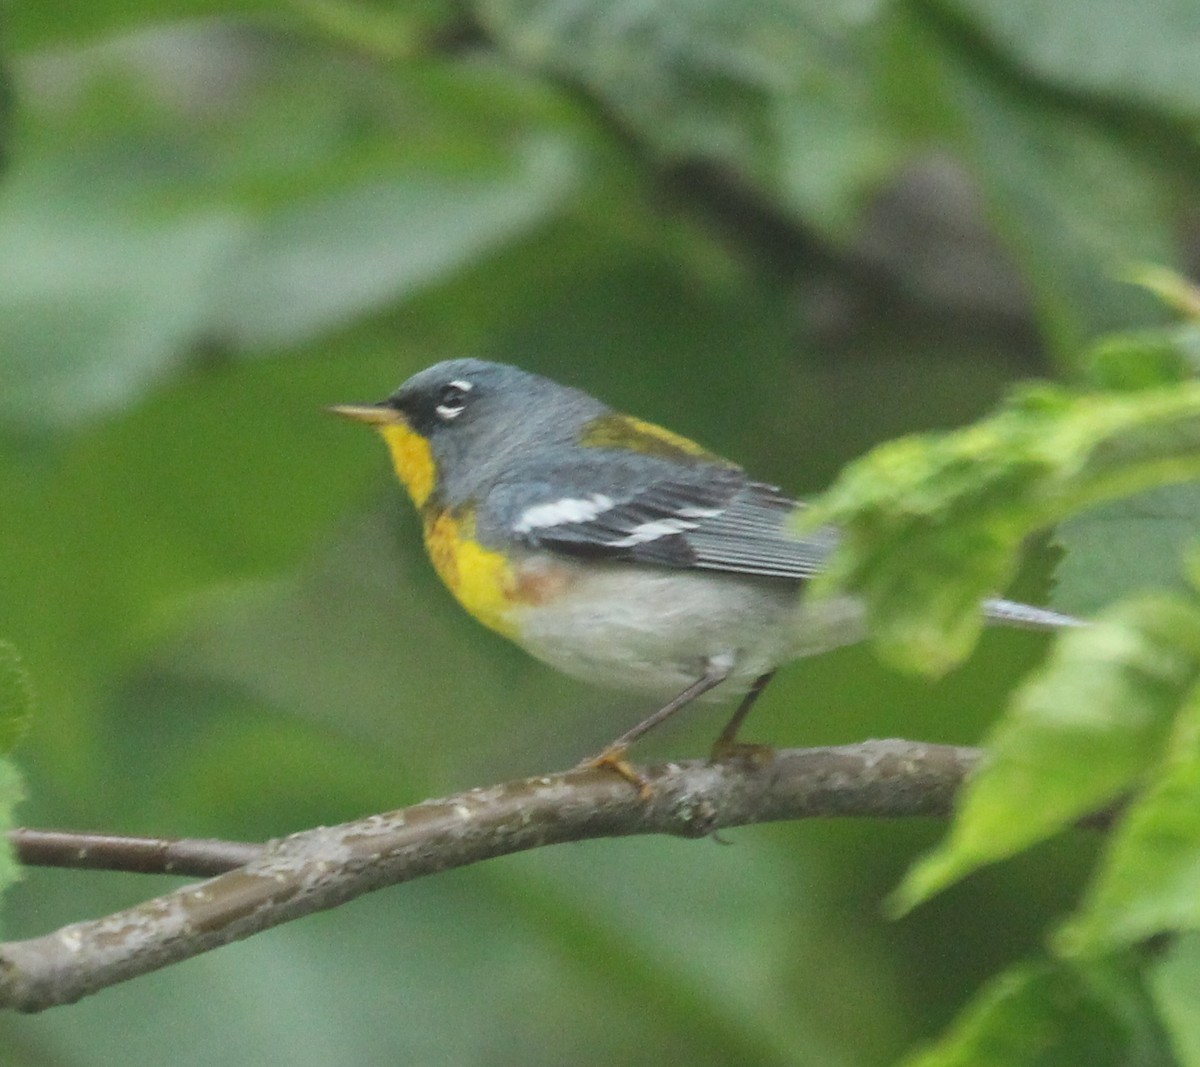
{"points": [[613, 754], [727, 746]]}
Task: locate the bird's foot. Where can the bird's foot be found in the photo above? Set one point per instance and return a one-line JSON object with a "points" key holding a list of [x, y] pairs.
{"points": [[613, 758], [727, 751]]}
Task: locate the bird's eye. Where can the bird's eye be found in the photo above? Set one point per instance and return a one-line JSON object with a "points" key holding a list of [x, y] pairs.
{"points": [[452, 398]]}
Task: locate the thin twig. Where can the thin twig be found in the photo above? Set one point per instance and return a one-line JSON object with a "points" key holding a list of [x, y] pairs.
{"points": [[321, 868], [191, 857]]}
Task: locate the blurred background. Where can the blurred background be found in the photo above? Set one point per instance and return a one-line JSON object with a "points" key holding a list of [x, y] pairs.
{"points": [[790, 229]]}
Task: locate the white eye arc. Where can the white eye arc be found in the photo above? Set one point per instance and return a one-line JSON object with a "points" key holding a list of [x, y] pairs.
{"points": [[452, 398]]}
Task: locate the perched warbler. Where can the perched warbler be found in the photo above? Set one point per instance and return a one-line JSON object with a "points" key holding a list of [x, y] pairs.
{"points": [[608, 547]]}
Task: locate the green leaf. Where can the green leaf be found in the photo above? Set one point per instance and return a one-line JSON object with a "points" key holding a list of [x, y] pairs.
{"points": [[374, 27], [134, 242], [933, 525], [16, 698], [1074, 199], [1145, 358], [11, 793], [1074, 205], [6, 107], [1049, 1015], [777, 93], [61, 22], [1125, 546], [1094, 46], [16, 710], [385, 30], [318, 263], [1149, 882], [1080, 732], [1175, 985], [1171, 287]]}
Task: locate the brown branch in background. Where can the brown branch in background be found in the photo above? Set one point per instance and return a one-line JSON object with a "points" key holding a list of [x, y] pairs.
{"points": [[191, 857], [317, 869]]}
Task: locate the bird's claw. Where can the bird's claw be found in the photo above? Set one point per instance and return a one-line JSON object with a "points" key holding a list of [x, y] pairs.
{"points": [[613, 758]]}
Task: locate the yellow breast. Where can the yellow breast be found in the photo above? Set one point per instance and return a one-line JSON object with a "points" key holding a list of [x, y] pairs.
{"points": [[481, 580]]}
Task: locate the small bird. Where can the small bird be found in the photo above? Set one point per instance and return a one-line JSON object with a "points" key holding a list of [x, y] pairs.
{"points": [[610, 548]]}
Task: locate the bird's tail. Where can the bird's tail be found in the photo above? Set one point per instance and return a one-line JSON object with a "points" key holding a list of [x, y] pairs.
{"points": [[1012, 613]]}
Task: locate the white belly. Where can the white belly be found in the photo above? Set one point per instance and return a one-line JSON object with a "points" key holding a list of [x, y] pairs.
{"points": [[655, 631]]}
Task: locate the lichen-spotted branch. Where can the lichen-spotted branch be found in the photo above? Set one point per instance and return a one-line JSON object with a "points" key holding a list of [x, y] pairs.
{"points": [[321, 868]]}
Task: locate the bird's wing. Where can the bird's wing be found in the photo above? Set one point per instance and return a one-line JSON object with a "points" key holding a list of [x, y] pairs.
{"points": [[706, 518]]}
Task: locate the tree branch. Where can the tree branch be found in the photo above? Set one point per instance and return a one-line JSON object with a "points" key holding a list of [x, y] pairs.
{"points": [[193, 857], [321, 868]]}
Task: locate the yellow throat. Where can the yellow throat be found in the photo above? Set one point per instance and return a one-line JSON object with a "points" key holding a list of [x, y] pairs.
{"points": [[412, 458], [481, 580]]}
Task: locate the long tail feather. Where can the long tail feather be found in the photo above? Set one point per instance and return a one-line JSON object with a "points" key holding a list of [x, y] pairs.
{"points": [[1012, 613]]}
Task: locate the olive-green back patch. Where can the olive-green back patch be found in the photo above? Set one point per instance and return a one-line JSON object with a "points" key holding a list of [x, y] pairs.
{"points": [[627, 433]]}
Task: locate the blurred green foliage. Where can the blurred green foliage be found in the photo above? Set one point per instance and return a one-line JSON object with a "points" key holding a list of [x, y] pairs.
{"points": [[1079, 735], [1097, 1019], [933, 524], [16, 711], [791, 230]]}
